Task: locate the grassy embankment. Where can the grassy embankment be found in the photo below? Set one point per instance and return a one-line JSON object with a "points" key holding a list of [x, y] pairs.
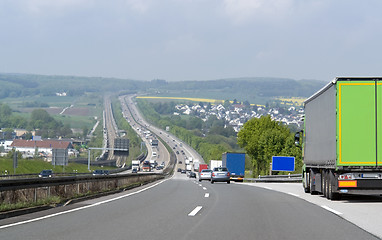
{"points": [[29, 166]]}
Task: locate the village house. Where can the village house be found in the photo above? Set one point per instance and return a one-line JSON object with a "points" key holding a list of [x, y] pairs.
{"points": [[30, 148]]}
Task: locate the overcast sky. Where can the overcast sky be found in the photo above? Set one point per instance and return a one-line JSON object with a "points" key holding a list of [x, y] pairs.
{"points": [[192, 39]]}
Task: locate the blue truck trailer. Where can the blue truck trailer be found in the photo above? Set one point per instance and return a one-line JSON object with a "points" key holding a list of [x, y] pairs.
{"points": [[235, 162]]}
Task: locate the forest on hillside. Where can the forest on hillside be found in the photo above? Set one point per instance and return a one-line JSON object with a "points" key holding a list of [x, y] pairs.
{"points": [[253, 90]]}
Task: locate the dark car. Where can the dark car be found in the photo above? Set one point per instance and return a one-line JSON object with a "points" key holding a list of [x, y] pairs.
{"points": [[100, 172], [46, 174], [179, 170], [134, 170], [192, 175], [220, 174], [183, 171]]}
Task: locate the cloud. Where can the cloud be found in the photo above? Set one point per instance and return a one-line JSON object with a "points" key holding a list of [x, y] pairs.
{"points": [[242, 11], [183, 44], [37, 7], [140, 6]]}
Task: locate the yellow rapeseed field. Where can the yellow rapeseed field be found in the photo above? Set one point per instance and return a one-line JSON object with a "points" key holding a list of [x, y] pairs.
{"points": [[189, 99], [212, 101]]}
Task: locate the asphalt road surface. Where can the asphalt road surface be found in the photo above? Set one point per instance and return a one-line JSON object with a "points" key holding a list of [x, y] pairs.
{"points": [[182, 208]]}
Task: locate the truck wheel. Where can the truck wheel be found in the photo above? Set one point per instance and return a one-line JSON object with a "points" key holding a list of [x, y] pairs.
{"points": [[327, 184], [312, 192], [323, 183], [212, 181], [200, 180], [307, 183], [228, 182], [331, 194]]}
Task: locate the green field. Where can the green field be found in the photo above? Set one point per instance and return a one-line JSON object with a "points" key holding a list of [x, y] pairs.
{"points": [[85, 108], [53, 101], [76, 121]]}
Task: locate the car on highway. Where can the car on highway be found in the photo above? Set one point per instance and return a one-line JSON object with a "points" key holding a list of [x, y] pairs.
{"points": [[134, 170], [46, 173], [220, 174], [179, 170], [183, 171], [100, 172], [205, 174], [192, 175]]}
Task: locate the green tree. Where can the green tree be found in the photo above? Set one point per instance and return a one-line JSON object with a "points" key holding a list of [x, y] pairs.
{"points": [[263, 138], [85, 131], [227, 104], [47, 126], [8, 133]]}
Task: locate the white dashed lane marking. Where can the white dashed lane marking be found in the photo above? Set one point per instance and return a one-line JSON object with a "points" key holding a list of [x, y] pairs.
{"points": [[195, 211]]}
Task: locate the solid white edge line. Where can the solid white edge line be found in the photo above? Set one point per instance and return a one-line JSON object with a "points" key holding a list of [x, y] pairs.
{"points": [[331, 210], [295, 195], [81, 208], [206, 195], [195, 211], [323, 206]]}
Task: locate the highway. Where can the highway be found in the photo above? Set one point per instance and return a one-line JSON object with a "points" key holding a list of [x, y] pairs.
{"points": [[182, 208], [162, 154], [134, 117]]}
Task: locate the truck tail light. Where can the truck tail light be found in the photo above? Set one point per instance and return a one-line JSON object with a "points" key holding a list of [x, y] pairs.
{"points": [[346, 176], [213, 174]]}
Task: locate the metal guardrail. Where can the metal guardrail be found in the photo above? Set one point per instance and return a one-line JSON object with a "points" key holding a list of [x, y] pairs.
{"points": [[14, 184], [35, 175], [276, 178]]}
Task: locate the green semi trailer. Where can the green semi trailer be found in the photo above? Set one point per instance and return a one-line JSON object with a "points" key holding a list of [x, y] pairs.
{"points": [[342, 138]]}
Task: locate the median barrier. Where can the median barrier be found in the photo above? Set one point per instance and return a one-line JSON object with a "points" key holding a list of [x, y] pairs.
{"points": [[35, 189], [276, 178]]}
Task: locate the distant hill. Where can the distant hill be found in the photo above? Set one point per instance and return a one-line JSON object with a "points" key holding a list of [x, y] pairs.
{"points": [[255, 90], [17, 85]]}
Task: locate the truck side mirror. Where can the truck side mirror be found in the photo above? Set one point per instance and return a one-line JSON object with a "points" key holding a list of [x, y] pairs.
{"points": [[297, 138]]}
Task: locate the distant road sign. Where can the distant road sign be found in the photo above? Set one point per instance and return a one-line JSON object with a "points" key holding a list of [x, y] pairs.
{"points": [[60, 157], [283, 163]]}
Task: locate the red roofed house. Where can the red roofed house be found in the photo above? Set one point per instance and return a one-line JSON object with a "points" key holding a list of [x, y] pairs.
{"points": [[29, 147]]}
